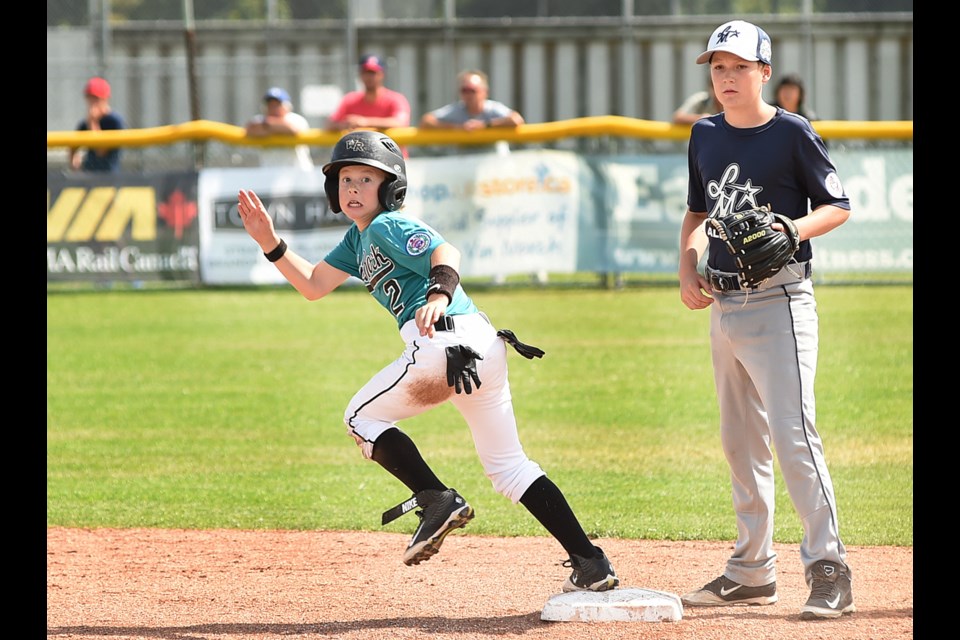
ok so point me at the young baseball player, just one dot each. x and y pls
(453, 353)
(764, 340)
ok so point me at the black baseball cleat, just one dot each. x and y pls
(590, 574)
(831, 592)
(723, 591)
(443, 511)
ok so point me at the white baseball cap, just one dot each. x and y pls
(740, 38)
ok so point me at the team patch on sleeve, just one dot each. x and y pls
(418, 243)
(834, 187)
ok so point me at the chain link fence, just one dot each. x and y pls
(78, 13)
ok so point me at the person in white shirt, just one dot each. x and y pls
(279, 119)
(697, 105)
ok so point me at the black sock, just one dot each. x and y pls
(396, 452)
(548, 505)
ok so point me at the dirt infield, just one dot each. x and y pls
(256, 585)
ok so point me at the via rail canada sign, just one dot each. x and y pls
(118, 227)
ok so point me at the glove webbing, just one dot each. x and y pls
(527, 351)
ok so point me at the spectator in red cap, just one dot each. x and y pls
(374, 106)
(100, 117)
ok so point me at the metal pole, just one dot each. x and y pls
(191, 45)
(808, 62)
(99, 10)
(350, 49)
(105, 38)
(449, 37)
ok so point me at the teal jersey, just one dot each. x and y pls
(392, 258)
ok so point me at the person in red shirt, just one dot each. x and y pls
(375, 106)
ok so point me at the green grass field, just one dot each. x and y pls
(223, 409)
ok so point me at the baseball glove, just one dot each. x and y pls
(759, 251)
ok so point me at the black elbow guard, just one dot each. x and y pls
(443, 279)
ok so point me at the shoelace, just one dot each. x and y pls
(822, 589)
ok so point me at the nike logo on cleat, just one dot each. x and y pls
(833, 604)
(415, 534)
(725, 592)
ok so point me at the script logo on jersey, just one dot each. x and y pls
(374, 267)
(418, 243)
(729, 195)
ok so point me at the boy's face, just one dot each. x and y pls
(359, 189)
(737, 82)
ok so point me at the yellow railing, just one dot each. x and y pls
(596, 126)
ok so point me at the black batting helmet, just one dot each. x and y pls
(375, 150)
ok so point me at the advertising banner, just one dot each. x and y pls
(296, 201)
(122, 227)
(523, 212)
(878, 236)
(507, 213)
(640, 202)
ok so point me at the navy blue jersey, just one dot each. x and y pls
(783, 164)
(93, 161)
(392, 257)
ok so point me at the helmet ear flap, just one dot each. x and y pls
(392, 192)
(399, 192)
(333, 191)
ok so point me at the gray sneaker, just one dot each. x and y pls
(590, 574)
(723, 591)
(443, 511)
(831, 592)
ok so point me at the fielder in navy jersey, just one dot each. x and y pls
(764, 341)
(453, 353)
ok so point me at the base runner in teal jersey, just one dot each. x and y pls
(453, 353)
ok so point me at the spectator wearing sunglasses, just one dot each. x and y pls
(474, 110)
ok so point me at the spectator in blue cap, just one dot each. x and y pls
(278, 118)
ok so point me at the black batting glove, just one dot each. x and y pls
(462, 368)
